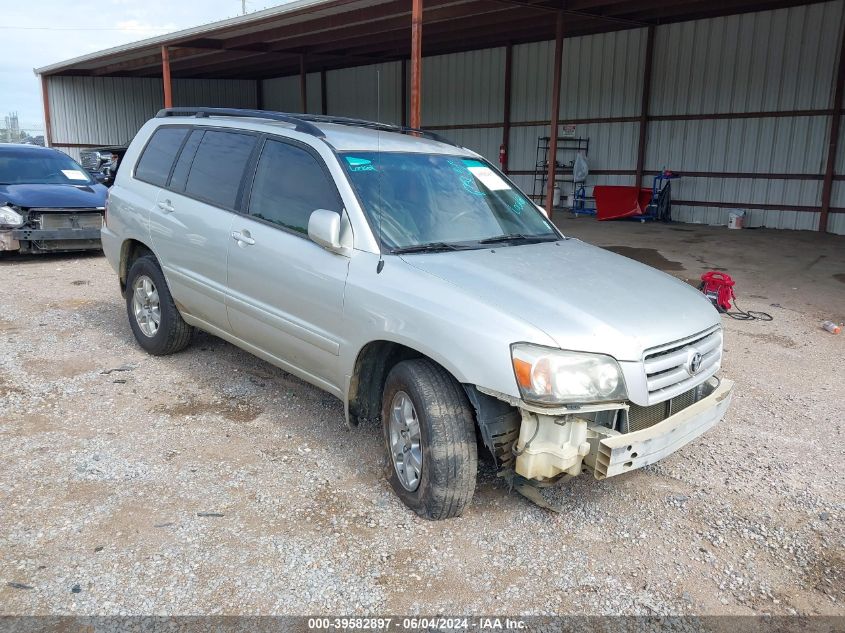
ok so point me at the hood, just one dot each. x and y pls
(63, 196)
(584, 297)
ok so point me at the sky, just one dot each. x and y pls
(42, 32)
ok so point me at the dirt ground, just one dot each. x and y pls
(210, 482)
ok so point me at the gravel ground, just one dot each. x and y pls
(213, 483)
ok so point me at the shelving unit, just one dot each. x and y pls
(567, 150)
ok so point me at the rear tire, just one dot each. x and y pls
(155, 321)
(429, 434)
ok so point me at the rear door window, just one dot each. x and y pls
(217, 169)
(186, 158)
(289, 185)
(159, 154)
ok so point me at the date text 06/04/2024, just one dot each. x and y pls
(416, 623)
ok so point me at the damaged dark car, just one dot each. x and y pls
(48, 202)
(102, 162)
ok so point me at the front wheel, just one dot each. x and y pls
(429, 433)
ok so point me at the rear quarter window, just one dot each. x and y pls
(161, 150)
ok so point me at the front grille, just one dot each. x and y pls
(65, 245)
(643, 417)
(89, 160)
(54, 221)
(60, 218)
(667, 368)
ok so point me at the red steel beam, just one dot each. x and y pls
(474, 12)
(416, 61)
(646, 97)
(445, 31)
(324, 97)
(552, 156)
(506, 106)
(165, 77)
(403, 94)
(303, 86)
(584, 14)
(48, 125)
(832, 146)
(368, 17)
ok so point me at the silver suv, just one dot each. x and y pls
(411, 279)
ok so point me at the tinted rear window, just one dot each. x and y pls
(183, 165)
(218, 167)
(157, 159)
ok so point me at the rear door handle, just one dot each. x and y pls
(165, 206)
(242, 238)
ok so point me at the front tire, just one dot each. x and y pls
(429, 433)
(156, 323)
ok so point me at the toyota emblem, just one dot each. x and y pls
(694, 363)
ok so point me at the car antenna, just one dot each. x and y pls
(380, 265)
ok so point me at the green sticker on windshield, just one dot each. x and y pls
(472, 163)
(359, 164)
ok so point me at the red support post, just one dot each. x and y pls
(404, 92)
(555, 115)
(48, 124)
(833, 144)
(646, 98)
(416, 61)
(165, 77)
(506, 108)
(324, 97)
(303, 85)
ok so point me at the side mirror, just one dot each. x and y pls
(324, 229)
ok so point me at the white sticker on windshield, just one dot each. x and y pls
(488, 177)
(74, 174)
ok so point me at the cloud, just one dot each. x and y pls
(139, 29)
(49, 31)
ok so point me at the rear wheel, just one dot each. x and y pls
(156, 323)
(429, 433)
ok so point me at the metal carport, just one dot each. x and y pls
(743, 96)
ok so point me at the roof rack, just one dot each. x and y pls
(299, 124)
(302, 122)
(374, 125)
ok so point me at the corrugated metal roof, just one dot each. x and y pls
(346, 33)
(231, 26)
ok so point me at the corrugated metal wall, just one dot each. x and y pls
(366, 92)
(780, 61)
(110, 110)
(772, 61)
(282, 94)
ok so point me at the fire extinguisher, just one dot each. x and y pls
(503, 156)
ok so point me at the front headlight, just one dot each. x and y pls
(553, 376)
(9, 218)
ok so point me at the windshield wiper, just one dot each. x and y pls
(432, 247)
(518, 237)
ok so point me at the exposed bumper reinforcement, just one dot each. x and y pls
(624, 453)
(35, 235)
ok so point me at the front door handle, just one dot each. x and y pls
(165, 206)
(242, 238)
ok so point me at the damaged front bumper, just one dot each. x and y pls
(55, 230)
(551, 445)
(621, 453)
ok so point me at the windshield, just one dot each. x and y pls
(438, 201)
(34, 167)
